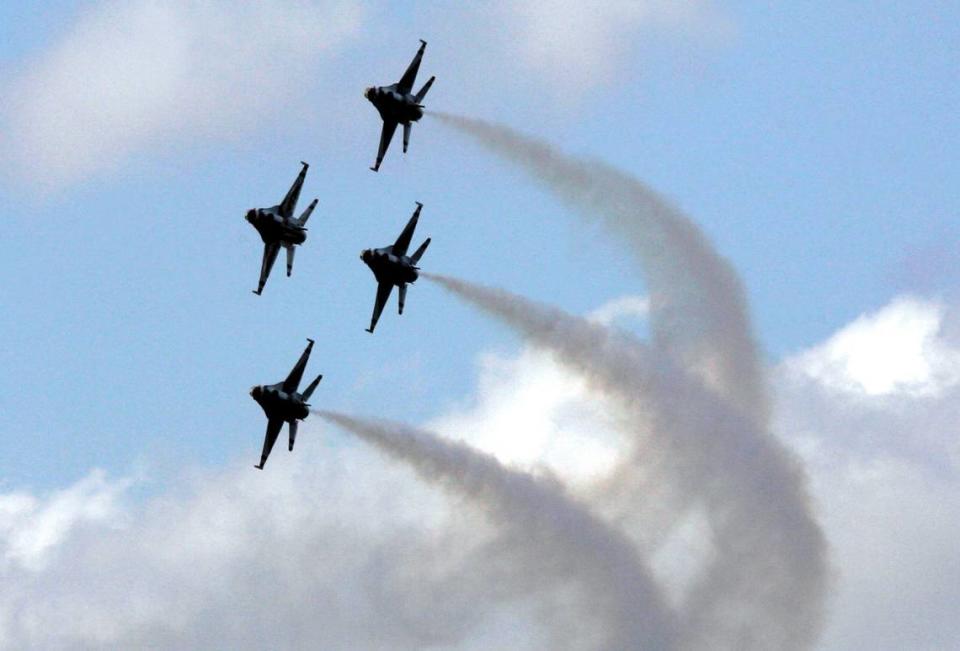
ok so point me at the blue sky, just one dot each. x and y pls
(815, 144)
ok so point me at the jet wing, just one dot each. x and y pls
(273, 430)
(383, 293)
(289, 203)
(405, 85)
(270, 252)
(293, 380)
(386, 135)
(403, 242)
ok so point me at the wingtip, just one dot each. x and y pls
(370, 330)
(258, 467)
(423, 43)
(375, 169)
(257, 291)
(418, 204)
(310, 341)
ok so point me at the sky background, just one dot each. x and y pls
(814, 143)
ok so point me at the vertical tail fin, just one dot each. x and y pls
(306, 213)
(313, 385)
(423, 91)
(419, 252)
(293, 434)
(402, 296)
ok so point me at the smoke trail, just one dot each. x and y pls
(765, 585)
(552, 524)
(698, 309)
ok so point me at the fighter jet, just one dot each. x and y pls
(398, 105)
(282, 404)
(278, 227)
(392, 266)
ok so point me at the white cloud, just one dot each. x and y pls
(895, 350)
(624, 307)
(130, 75)
(874, 413)
(31, 527)
(529, 412)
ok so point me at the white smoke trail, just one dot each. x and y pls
(698, 309)
(552, 525)
(764, 586)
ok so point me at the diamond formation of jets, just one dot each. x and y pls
(397, 104)
(279, 228)
(282, 404)
(392, 266)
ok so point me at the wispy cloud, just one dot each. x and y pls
(130, 75)
(577, 46)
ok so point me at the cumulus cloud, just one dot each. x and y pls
(874, 412)
(895, 350)
(126, 75)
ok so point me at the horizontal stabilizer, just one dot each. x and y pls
(306, 213)
(290, 253)
(423, 91)
(419, 252)
(293, 435)
(313, 385)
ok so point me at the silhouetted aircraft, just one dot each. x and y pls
(282, 404)
(398, 105)
(392, 266)
(278, 227)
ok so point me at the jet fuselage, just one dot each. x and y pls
(274, 228)
(394, 105)
(277, 403)
(387, 267)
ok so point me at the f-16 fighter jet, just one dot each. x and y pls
(278, 227)
(282, 404)
(392, 266)
(398, 105)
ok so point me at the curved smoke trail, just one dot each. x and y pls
(698, 310)
(622, 594)
(764, 586)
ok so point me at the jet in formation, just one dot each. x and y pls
(282, 404)
(392, 266)
(398, 104)
(278, 227)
